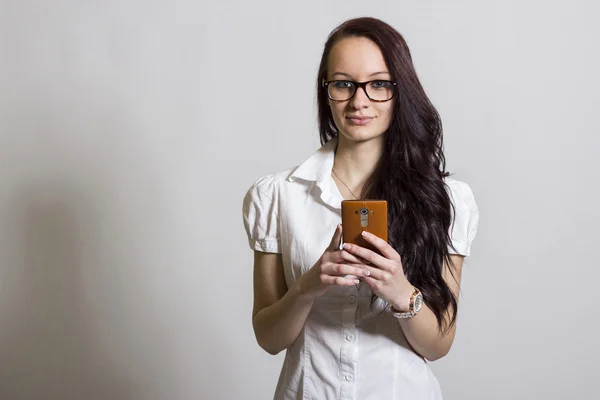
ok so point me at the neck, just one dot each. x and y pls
(355, 162)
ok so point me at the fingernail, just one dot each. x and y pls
(356, 281)
(366, 272)
(346, 246)
(365, 233)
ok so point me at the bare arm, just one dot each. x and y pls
(422, 330)
(279, 313)
(387, 280)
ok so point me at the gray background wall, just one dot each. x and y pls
(130, 131)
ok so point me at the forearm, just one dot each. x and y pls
(277, 326)
(424, 335)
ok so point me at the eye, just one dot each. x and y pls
(381, 85)
(343, 84)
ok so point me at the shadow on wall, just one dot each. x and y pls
(47, 341)
(70, 327)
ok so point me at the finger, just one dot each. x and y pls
(336, 239)
(351, 258)
(374, 284)
(339, 280)
(373, 272)
(384, 247)
(343, 270)
(368, 255)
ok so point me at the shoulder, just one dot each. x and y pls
(266, 191)
(261, 212)
(465, 215)
(460, 192)
(268, 186)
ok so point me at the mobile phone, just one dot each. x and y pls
(364, 215)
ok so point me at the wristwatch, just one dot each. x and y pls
(416, 302)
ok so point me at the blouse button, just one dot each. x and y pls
(352, 299)
(348, 377)
(349, 338)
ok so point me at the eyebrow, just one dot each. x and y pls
(349, 76)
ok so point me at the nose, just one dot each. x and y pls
(360, 99)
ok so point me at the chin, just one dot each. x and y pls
(358, 134)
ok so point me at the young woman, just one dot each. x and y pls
(382, 139)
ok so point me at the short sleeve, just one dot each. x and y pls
(261, 217)
(465, 217)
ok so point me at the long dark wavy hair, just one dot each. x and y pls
(410, 173)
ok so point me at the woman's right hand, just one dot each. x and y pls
(331, 269)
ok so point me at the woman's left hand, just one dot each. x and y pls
(386, 278)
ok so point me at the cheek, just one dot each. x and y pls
(386, 114)
(337, 110)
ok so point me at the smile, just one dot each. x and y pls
(360, 120)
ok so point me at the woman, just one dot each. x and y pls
(382, 139)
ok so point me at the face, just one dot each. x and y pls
(359, 59)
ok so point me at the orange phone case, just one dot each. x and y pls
(364, 215)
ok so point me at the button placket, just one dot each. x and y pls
(348, 347)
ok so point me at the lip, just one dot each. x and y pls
(359, 120)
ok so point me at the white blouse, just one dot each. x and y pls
(348, 348)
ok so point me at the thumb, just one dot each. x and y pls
(336, 239)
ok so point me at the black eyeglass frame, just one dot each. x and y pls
(358, 85)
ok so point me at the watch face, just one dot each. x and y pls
(418, 302)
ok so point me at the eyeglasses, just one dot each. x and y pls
(377, 90)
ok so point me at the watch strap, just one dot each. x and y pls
(411, 307)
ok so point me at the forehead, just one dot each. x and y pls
(356, 56)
